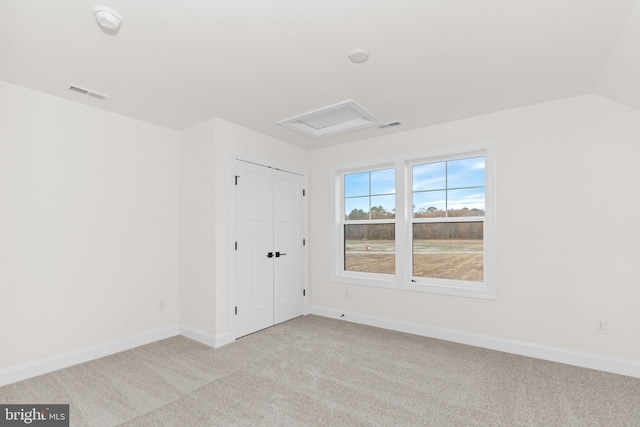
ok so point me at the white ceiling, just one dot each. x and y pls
(255, 62)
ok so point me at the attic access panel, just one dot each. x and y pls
(339, 118)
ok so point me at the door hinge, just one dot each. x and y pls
(304, 292)
(304, 192)
(236, 177)
(304, 242)
(236, 246)
(236, 310)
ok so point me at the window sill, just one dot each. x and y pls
(457, 288)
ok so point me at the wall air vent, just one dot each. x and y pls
(339, 118)
(88, 92)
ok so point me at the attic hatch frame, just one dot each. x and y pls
(345, 116)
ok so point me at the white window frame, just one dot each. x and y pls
(403, 279)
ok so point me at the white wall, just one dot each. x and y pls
(197, 234)
(88, 226)
(619, 80)
(206, 201)
(567, 229)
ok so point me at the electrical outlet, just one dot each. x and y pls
(601, 327)
(162, 306)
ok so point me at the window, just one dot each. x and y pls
(424, 223)
(448, 216)
(369, 222)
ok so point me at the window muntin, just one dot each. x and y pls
(370, 195)
(449, 188)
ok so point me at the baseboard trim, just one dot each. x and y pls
(224, 339)
(44, 366)
(215, 341)
(598, 362)
(586, 360)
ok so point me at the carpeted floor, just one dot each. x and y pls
(324, 372)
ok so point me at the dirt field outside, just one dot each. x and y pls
(445, 259)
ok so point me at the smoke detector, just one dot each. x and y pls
(358, 56)
(107, 18)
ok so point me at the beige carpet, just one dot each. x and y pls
(317, 371)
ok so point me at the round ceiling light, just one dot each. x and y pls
(107, 18)
(358, 56)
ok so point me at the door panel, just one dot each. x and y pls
(254, 234)
(288, 232)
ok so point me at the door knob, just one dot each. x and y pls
(278, 254)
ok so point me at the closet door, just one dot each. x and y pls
(269, 277)
(288, 275)
(254, 240)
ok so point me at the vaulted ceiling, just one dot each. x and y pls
(255, 62)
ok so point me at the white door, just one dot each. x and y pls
(254, 239)
(287, 243)
(269, 247)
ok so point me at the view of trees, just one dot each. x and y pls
(448, 230)
(370, 231)
(377, 212)
(432, 212)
